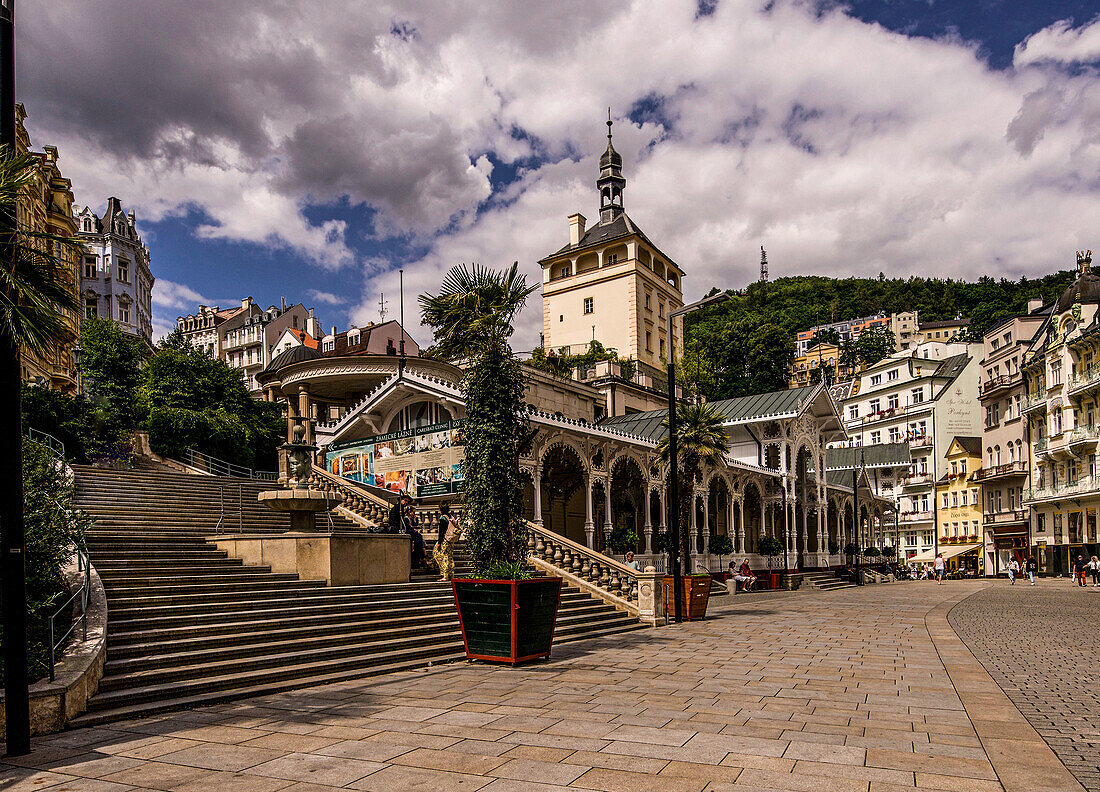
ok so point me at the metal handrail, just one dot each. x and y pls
(223, 513)
(222, 468)
(47, 441)
(84, 565)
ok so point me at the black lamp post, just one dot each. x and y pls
(12, 540)
(673, 470)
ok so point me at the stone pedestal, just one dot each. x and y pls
(651, 604)
(338, 558)
(302, 504)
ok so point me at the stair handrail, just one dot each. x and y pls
(610, 580)
(47, 441)
(212, 464)
(84, 566)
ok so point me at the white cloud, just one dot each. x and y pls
(327, 298)
(843, 147)
(168, 294)
(1061, 43)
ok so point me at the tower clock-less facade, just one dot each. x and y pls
(610, 283)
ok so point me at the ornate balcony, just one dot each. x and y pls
(1007, 470)
(1003, 518)
(995, 384)
(907, 518)
(1085, 485)
(1086, 380)
(1083, 438)
(917, 480)
(1034, 401)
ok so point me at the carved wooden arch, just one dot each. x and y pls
(561, 441)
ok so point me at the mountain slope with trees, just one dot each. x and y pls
(745, 345)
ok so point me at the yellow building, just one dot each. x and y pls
(806, 369)
(47, 206)
(959, 505)
(610, 283)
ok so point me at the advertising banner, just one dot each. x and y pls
(423, 462)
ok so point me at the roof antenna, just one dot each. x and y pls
(382, 306)
(763, 264)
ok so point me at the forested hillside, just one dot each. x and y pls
(745, 345)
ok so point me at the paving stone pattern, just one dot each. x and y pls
(790, 691)
(1042, 646)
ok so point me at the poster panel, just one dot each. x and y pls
(425, 461)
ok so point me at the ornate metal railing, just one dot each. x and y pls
(1006, 469)
(612, 581)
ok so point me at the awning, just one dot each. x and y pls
(949, 551)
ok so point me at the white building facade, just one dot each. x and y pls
(116, 281)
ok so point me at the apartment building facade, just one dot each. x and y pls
(923, 397)
(959, 506)
(1062, 402)
(1005, 469)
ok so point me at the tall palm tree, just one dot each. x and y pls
(700, 440)
(471, 318)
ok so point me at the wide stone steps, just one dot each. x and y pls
(189, 625)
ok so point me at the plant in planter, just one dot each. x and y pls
(834, 547)
(506, 613)
(623, 540)
(872, 552)
(851, 549)
(773, 548)
(721, 545)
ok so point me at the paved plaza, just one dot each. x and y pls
(1042, 646)
(865, 690)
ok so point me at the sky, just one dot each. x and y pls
(312, 149)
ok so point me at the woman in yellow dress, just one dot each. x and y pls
(443, 553)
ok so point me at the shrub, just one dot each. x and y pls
(623, 539)
(770, 546)
(851, 549)
(834, 548)
(872, 552)
(721, 545)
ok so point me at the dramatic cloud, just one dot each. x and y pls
(1061, 42)
(167, 294)
(325, 298)
(427, 134)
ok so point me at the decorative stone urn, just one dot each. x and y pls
(298, 499)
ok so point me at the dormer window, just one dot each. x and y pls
(328, 346)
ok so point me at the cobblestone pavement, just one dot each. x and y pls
(1042, 646)
(842, 691)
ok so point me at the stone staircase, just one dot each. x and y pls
(190, 626)
(824, 581)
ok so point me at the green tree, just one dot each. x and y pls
(190, 400)
(112, 369)
(874, 344)
(700, 440)
(471, 317)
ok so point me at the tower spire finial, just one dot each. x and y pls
(611, 181)
(609, 123)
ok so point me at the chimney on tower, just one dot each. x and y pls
(576, 228)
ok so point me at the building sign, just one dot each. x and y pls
(423, 462)
(956, 412)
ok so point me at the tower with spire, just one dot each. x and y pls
(610, 282)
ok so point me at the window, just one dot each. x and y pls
(90, 267)
(895, 434)
(891, 375)
(874, 406)
(612, 258)
(1055, 373)
(876, 437)
(945, 500)
(124, 314)
(954, 499)
(974, 496)
(962, 498)
(662, 347)
(647, 302)
(876, 380)
(588, 305)
(954, 468)
(853, 412)
(660, 309)
(91, 307)
(648, 341)
(892, 401)
(564, 272)
(918, 395)
(123, 271)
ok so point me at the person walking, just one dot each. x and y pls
(448, 532)
(940, 567)
(1032, 568)
(1094, 569)
(1079, 570)
(1013, 571)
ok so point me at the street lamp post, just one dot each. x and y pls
(12, 540)
(673, 465)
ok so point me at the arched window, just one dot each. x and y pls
(997, 453)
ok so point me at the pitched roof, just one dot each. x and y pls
(602, 232)
(943, 323)
(743, 409)
(951, 367)
(971, 445)
(872, 456)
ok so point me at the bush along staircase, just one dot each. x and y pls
(190, 626)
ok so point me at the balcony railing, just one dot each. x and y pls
(1062, 489)
(1033, 401)
(1083, 434)
(1041, 444)
(1006, 517)
(915, 517)
(996, 383)
(1086, 379)
(1018, 468)
(916, 480)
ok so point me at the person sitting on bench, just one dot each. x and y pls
(744, 576)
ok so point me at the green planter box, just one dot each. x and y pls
(507, 621)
